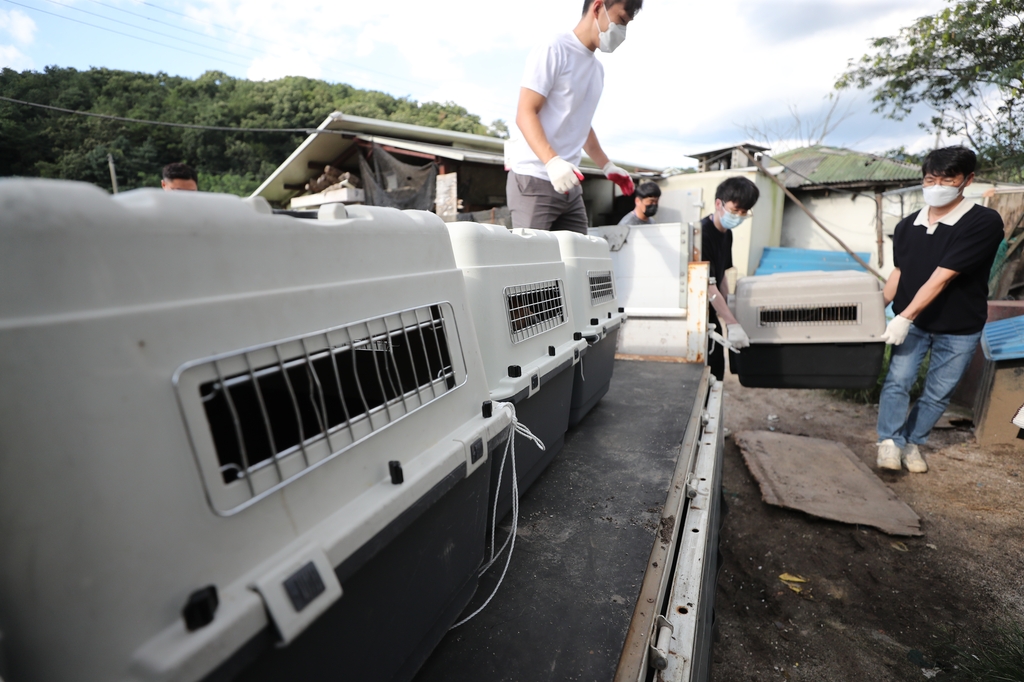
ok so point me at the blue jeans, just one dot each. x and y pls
(951, 353)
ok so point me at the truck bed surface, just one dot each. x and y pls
(586, 529)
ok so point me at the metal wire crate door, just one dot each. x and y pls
(276, 412)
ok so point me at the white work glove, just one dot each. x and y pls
(737, 337)
(564, 176)
(620, 177)
(896, 331)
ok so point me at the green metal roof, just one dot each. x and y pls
(821, 166)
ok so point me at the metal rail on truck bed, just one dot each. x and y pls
(622, 528)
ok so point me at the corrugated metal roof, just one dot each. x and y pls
(784, 259)
(1004, 339)
(821, 166)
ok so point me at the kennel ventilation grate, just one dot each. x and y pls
(804, 315)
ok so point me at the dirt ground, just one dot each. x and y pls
(876, 607)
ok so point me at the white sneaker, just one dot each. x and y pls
(914, 461)
(889, 455)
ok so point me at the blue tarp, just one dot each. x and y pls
(1004, 339)
(784, 259)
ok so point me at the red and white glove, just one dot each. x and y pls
(620, 177)
(563, 175)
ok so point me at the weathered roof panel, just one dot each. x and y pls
(821, 166)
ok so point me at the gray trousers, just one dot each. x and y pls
(535, 204)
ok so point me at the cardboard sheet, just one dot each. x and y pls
(823, 478)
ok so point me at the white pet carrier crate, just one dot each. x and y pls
(810, 330)
(515, 281)
(233, 445)
(590, 284)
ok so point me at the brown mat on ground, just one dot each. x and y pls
(823, 478)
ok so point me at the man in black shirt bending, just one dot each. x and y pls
(734, 198)
(939, 292)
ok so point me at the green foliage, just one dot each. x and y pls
(35, 142)
(871, 396)
(967, 64)
(997, 658)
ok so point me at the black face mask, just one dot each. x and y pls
(649, 211)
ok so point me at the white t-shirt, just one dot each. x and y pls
(571, 78)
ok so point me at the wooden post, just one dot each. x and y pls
(814, 218)
(113, 172)
(879, 230)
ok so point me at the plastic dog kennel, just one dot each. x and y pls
(810, 330)
(590, 283)
(236, 446)
(515, 281)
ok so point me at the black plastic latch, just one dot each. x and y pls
(576, 354)
(609, 315)
(487, 409)
(535, 381)
(515, 371)
(551, 351)
(594, 322)
(395, 467)
(622, 310)
(303, 586)
(200, 607)
(577, 336)
(476, 450)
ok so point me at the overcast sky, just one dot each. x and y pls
(690, 76)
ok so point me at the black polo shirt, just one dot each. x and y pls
(716, 249)
(967, 247)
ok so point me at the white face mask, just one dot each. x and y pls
(940, 195)
(613, 37)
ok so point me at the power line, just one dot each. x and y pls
(192, 126)
(140, 28)
(164, 23)
(122, 33)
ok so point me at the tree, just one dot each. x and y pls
(966, 64)
(36, 142)
(805, 131)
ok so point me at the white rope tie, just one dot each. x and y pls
(510, 541)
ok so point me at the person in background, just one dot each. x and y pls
(646, 201)
(179, 177)
(734, 198)
(939, 291)
(558, 96)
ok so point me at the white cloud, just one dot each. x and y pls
(18, 25)
(13, 58)
(688, 77)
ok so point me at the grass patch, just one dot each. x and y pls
(997, 658)
(870, 396)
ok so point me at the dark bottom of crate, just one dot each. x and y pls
(546, 414)
(396, 605)
(592, 377)
(809, 365)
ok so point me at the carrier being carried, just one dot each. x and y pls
(810, 330)
(246, 443)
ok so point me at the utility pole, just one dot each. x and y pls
(113, 172)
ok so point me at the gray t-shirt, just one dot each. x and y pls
(632, 218)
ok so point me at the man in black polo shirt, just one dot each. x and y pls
(733, 200)
(939, 292)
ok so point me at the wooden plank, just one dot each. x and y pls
(823, 478)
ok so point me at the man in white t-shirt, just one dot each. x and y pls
(560, 90)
